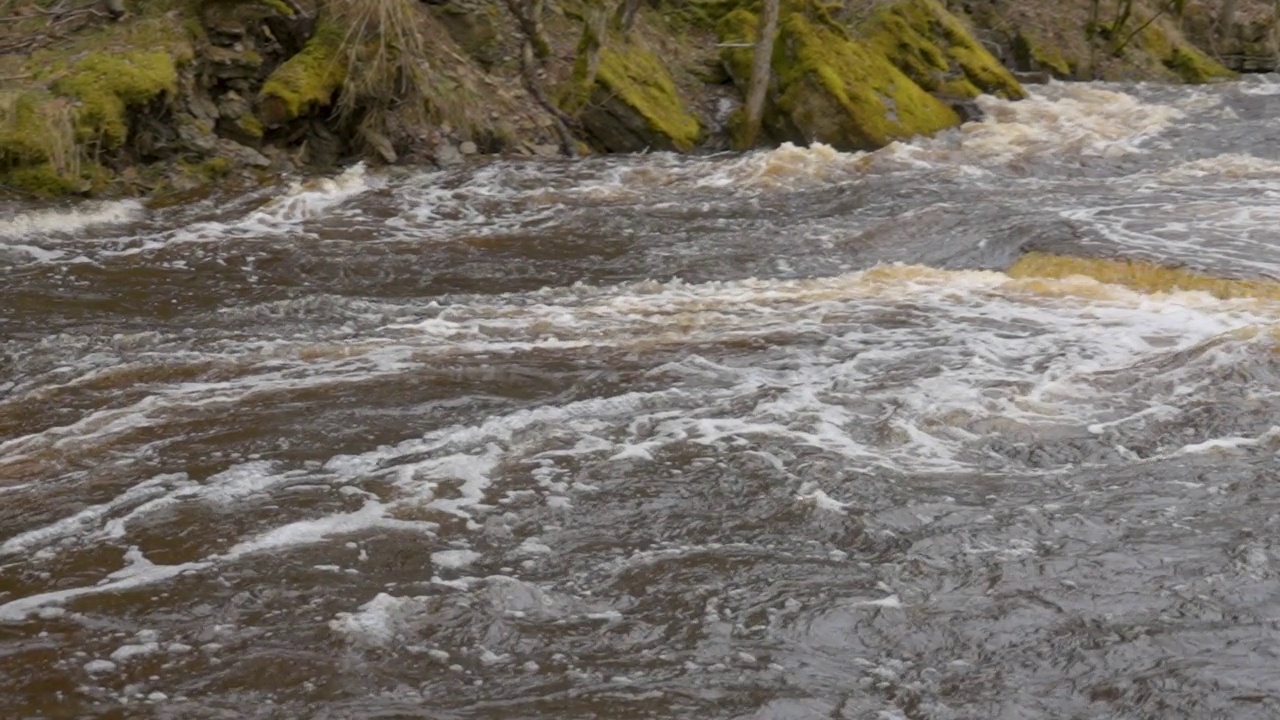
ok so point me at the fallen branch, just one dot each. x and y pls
(561, 120)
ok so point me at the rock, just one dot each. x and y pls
(226, 63)
(227, 22)
(196, 137)
(232, 105)
(1032, 55)
(474, 26)
(933, 48)
(305, 82)
(201, 106)
(379, 143)
(1033, 77)
(109, 85)
(468, 148)
(830, 88)
(241, 155)
(546, 150)
(446, 155)
(634, 104)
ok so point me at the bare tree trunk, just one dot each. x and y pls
(1094, 15)
(529, 15)
(761, 62)
(626, 17)
(593, 41)
(1227, 15)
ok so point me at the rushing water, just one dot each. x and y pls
(790, 435)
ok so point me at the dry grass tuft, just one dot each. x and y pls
(44, 131)
(395, 80)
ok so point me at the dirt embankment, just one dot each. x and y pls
(166, 97)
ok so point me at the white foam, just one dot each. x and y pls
(17, 610)
(820, 499)
(1235, 166)
(89, 519)
(127, 653)
(454, 559)
(307, 532)
(1230, 443)
(971, 380)
(1071, 119)
(68, 221)
(379, 621)
(307, 199)
(99, 667)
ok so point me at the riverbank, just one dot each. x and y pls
(163, 98)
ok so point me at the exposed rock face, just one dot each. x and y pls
(935, 49)
(171, 95)
(829, 87)
(633, 105)
(305, 82)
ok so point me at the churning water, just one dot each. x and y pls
(978, 426)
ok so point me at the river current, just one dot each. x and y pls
(982, 426)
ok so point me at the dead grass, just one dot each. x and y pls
(398, 71)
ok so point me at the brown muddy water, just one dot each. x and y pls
(926, 433)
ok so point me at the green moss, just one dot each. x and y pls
(737, 32)
(42, 180)
(1187, 63)
(279, 6)
(306, 81)
(38, 149)
(1194, 66)
(633, 102)
(250, 126)
(25, 133)
(640, 80)
(933, 48)
(1032, 54)
(107, 85)
(214, 168)
(828, 87)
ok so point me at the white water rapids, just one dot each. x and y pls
(776, 435)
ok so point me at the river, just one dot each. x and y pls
(976, 426)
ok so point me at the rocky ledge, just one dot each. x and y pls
(167, 97)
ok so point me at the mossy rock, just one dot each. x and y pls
(1193, 66)
(475, 27)
(305, 82)
(43, 180)
(26, 128)
(1184, 61)
(36, 137)
(1034, 55)
(830, 88)
(108, 85)
(933, 48)
(634, 104)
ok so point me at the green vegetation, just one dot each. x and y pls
(935, 50)
(632, 102)
(163, 95)
(107, 85)
(831, 88)
(306, 81)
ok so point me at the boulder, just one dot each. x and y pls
(935, 49)
(634, 104)
(828, 87)
(305, 82)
